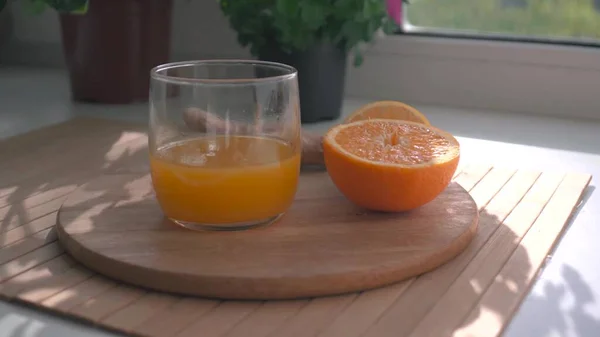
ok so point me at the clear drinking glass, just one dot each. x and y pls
(224, 142)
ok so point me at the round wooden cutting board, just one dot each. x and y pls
(324, 245)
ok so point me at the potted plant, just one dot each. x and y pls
(315, 37)
(111, 45)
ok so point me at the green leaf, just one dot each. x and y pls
(313, 16)
(68, 6)
(286, 7)
(83, 9)
(390, 27)
(358, 58)
(34, 6)
(295, 25)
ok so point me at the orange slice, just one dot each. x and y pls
(388, 110)
(390, 165)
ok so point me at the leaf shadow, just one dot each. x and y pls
(32, 262)
(512, 285)
(45, 274)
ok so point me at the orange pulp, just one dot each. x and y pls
(390, 165)
(225, 179)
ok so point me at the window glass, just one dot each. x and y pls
(575, 20)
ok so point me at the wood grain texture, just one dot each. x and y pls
(466, 289)
(522, 215)
(323, 246)
(67, 299)
(401, 317)
(331, 315)
(177, 317)
(55, 158)
(489, 316)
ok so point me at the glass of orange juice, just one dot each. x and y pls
(224, 142)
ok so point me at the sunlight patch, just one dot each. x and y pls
(486, 322)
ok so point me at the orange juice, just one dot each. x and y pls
(225, 180)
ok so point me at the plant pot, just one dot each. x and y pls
(321, 78)
(110, 50)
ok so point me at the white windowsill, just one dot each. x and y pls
(519, 53)
(507, 76)
(555, 80)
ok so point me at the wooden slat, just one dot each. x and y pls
(45, 278)
(43, 224)
(29, 143)
(267, 308)
(174, 319)
(28, 210)
(88, 289)
(460, 298)
(80, 130)
(220, 320)
(34, 268)
(490, 185)
(139, 311)
(21, 237)
(13, 218)
(298, 324)
(313, 317)
(249, 319)
(365, 310)
(90, 147)
(469, 179)
(36, 196)
(67, 176)
(56, 284)
(277, 312)
(471, 175)
(422, 294)
(489, 316)
(37, 275)
(18, 156)
(30, 260)
(28, 245)
(265, 320)
(32, 139)
(99, 307)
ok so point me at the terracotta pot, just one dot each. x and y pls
(110, 50)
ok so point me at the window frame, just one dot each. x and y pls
(489, 71)
(406, 28)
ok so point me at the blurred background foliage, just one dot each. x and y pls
(544, 18)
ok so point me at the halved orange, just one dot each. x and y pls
(390, 165)
(387, 110)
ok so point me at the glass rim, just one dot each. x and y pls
(155, 73)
